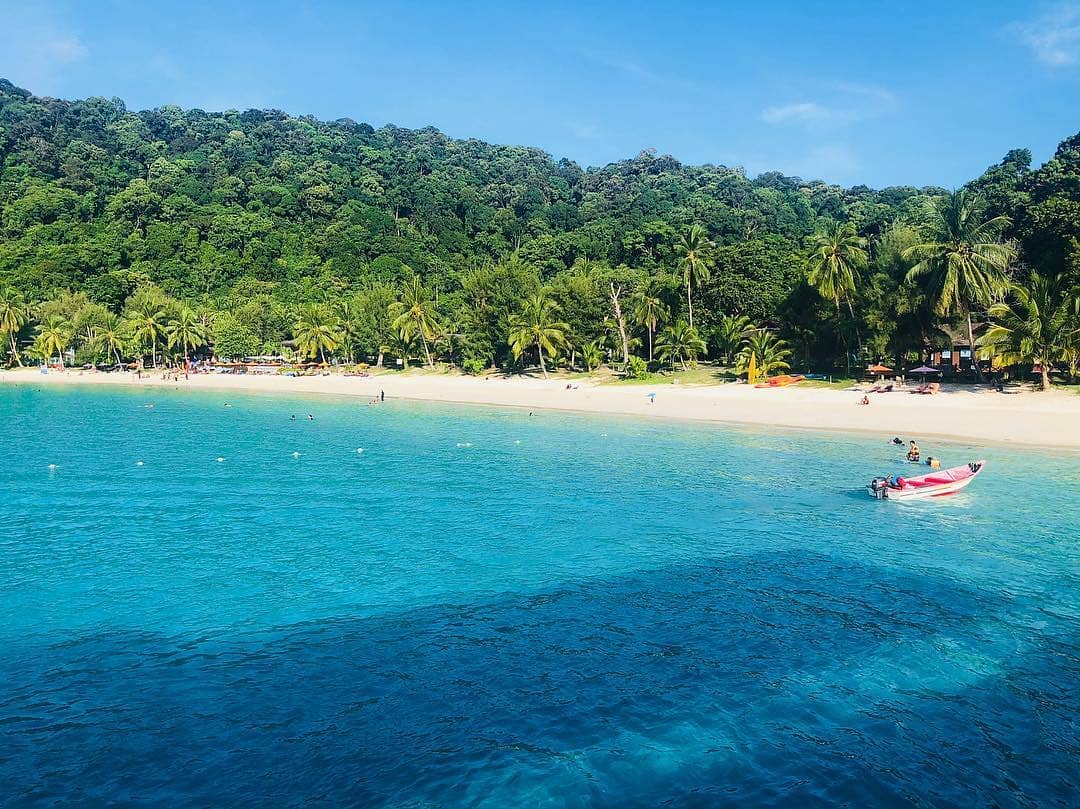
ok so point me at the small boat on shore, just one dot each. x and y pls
(939, 483)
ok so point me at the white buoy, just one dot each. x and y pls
(138, 463)
(296, 454)
(52, 466)
(219, 460)
(359, 450)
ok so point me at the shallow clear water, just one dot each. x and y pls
(485, 608)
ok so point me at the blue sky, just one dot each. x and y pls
(880, 93)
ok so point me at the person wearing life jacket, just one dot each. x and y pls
(913, 452)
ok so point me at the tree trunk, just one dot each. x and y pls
(843, 341)
(427, 353)
(689, 303)
(1046, 376)
(615, 295)
(971, 345)
(650, 343)
(15, 349)
(540, 354)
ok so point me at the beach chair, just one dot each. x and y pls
(925, 388)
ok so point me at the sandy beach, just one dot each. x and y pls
(973, 414)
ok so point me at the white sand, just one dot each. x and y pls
(982, 415)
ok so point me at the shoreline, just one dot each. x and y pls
(1039, 420)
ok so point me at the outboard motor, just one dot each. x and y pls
(877, 488)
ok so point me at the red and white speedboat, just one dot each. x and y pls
(939, 483)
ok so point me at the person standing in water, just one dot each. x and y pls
(382, 396)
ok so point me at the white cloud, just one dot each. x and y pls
(806, 112)
(585, 131)
(837, 104)
(1054, 37)
(64, 49)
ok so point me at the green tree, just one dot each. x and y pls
(415, 314)
(592, 355)
(536, 326)
(772, 353)
(679, 342)
(695, 259)
(111, 337)
(186, 330)
(730, 334)
(147, 322)
(316, 331)
(964, 261)
(1038, 323)
(53, 338)
(14, 315)
(837, 254)
(650, 311)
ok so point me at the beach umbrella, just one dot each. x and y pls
(924, 370)
(879, 369)
(751, 371)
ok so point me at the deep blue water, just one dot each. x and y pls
(485, 608)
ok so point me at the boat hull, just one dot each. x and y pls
(934, 484)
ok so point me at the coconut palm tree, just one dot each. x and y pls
(770, 351)
(1038, 324)
(730, 334)
(147, 323)
(316, 331)
(592, 355)
(679, 341)
(837, 254)
(536, 327)
(14, 315)
(110, 336)
(963, 263)
(695, 260)
(650, 311)
(402, 343)
(53, 337)
(186, 330)
(415, 312)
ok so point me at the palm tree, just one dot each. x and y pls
(1038, 324)
(838, 253)
(730, 334)
(316, 331)
(147, 325)
(14, 315)
(964, 261)
(402, 343)
(53, 337)
(415, 312)
(771, 352)
(186, 330)
(695, 258)
(650, 311)
(592, 355)
(110, 336)
(679, 341)
(536, 326)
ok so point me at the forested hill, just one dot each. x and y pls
(255, 214)
(195, 200)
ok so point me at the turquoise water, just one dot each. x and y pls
(484, 608)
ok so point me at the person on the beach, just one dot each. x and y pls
(865, 400)
(382, 396)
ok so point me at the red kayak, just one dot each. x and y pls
(936, 484)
